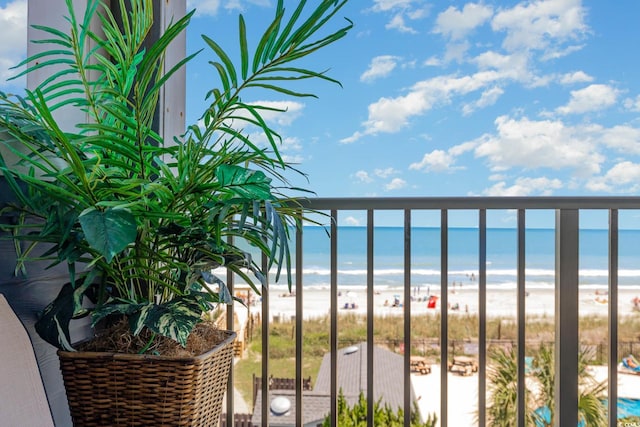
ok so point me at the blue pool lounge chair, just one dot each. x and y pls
(630, 363)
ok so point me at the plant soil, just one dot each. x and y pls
(118, 338)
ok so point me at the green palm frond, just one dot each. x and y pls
(151, 219)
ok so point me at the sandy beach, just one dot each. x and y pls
(500, 303)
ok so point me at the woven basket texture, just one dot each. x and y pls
(118, 390)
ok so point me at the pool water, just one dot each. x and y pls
(626, 408)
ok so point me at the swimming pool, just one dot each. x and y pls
(626, 408)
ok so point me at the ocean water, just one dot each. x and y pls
(462, 258)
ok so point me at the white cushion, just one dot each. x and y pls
(23, 401)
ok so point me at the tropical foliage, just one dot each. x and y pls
(141, 222)
(356, 415)
(502, 378)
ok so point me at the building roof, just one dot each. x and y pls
(388, 386)
(388, 370)
(316, 408)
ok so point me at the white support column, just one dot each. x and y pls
(566, 318)
(51, 13)
(171, 114)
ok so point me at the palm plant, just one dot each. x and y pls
(591, 410)
(142, 222)
(502, 375)
(502, 396)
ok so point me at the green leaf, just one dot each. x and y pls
(270, 33)
(174, 319)
(244, 53)
(231, 70)
(53, 324)
(114, 306)
(108, 231)
(244, 183)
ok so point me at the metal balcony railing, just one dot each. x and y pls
(567, 212)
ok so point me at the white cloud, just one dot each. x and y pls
(380, 66)
(291, 144)
(622, 138)
(401, 10)
(514, 66)
(390, 115)
(456, 24)
(204, 7)
(433, 61)
(351, 220)
(212, 7)
(594, 97)
(524, 187)
(458, 150)
(363, 176)
(497, 177)
(13, 30)
(398, 23)
(531, 145)
(289, 111)
(632, 104)
(561, 52)
(456, 51)
(293, 159)
(624, 173)
(575, 77)
(435, 161)
(622, 177)
(385, 173)
(541, 24)
(387, 5)
(353, 138)
(418, 13)
(442, 161)
(488, 97)
(395, 184)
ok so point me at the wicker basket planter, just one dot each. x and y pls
(113, 389)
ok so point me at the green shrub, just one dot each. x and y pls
(356, 416)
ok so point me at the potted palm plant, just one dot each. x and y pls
(144, 224)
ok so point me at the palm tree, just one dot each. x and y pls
(539, 400)
(502, 375)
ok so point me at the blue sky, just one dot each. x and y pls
(496, 98)
(447, 98)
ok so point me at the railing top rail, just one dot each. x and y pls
(397, 203)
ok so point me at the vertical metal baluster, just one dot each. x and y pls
(370, 317)
(299, 325)
(613, 317)
(407, 318)
(566, 317)
(334, 318)
(230, 309)
(265, 346)
(444, 320)
(521, 317)
(482, 320)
